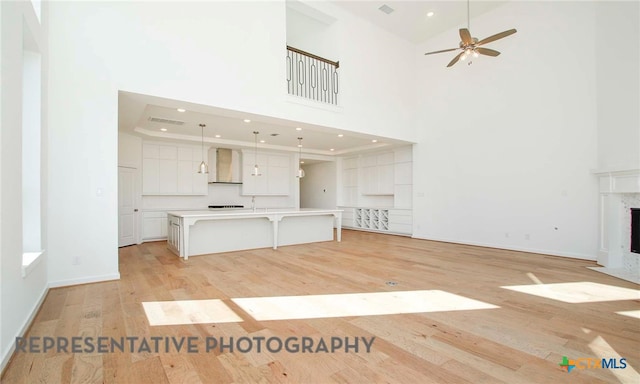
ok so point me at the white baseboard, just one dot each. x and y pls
(38, 304)
(519, 249)
(25, 325)
(84, 280)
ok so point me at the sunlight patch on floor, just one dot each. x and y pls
(635, 314)
(356, 304)
(578, 292)
(189, 312)
(603, 350)
(534, 278)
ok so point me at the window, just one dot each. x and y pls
(31, 151)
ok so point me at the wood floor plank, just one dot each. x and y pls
(522, 340)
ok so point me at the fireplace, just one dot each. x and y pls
(619, 234)
(635, 230)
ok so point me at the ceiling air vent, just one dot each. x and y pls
(165, 121)
(386, 9)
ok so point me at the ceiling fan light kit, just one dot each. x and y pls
(471, 46)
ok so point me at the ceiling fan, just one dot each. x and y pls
(472, 46)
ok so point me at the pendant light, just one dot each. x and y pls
(300, 173)
(203, 168)
(256, 171)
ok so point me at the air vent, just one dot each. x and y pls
(165, 121)
(386, 9)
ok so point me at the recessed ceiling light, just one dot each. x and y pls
(301, 162)
(247, 120)
(299, 145)
(298, 129)
(429, 14)
(374, 141)
(332, 149)
(163, 129)
(262, 141)
(181, 110)
(218, 136)
(340, 135)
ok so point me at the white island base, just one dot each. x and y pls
(193, 233)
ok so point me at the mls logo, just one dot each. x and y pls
(567, 365)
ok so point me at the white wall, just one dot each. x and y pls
(318, 186)
(377, 86)
(310, 34)
(19, 297)
(204, 52)
(618, 84)
(506, 145)
(226, 54)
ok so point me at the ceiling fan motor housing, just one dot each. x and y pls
(474, 41)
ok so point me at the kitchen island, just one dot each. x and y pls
(193, 233)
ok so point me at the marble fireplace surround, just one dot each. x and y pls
(619, 192)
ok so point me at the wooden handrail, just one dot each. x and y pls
(300, 51)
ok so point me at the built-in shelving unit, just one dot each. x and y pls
(377, 191)
(372, 218)
(386, 220)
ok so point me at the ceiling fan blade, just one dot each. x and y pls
(487, 51)
(496, 37)
(465, 36)
(444, 50)
(455, 59)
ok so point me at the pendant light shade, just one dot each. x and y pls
(203, 168)
(256, 170)
(300, 173)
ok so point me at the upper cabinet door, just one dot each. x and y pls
(378, 174)
(172, 170)
(275, 175)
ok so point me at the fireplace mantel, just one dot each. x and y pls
(619, 191)
(621, 180)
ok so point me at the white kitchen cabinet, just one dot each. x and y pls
(150, 176)
(347, 217)
(278, 180)
(378, 174)
(275, 175)
(185, 176)
(168, 177)
(401, 221)
(154, 225)
(350, 181)
(172, 170)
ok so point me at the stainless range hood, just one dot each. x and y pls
(226, 163)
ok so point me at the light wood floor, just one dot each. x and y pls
(522, 341)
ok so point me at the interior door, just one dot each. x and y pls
(127, 211)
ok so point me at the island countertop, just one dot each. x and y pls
(245, 228)
(248, 212)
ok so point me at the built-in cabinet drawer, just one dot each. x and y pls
(401, 221)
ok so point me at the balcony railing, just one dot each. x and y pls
(311, 76)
